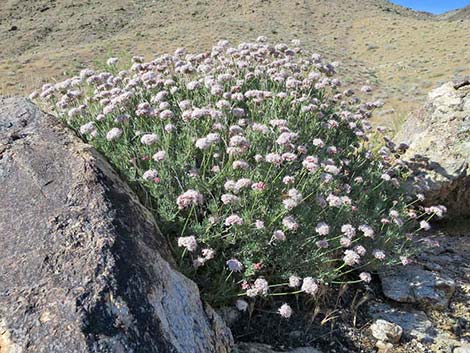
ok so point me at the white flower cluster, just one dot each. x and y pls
(254, 159)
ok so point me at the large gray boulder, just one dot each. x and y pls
(83, 266)
(439, 153)
(439, 140)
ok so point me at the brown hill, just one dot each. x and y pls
(457, 15)
(401, 52)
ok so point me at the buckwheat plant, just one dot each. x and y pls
(255, 163)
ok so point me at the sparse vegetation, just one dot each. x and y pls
(43, 47)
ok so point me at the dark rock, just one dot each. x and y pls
(413, 284)
(83, 266)
(461, 83)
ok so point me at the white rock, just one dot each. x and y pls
(386, 331)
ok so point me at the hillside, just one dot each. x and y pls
(400, 52)
(460, 14)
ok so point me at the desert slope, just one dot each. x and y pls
(457, 15)
(401, 52)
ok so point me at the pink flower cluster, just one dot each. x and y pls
(189, 198)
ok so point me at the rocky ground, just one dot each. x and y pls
(424, 307)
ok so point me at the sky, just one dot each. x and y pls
(433, 6)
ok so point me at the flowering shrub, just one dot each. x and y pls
(255, 164)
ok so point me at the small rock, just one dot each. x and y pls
(461, 83)
(384, 347)
(386, 331)
(415, 324)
